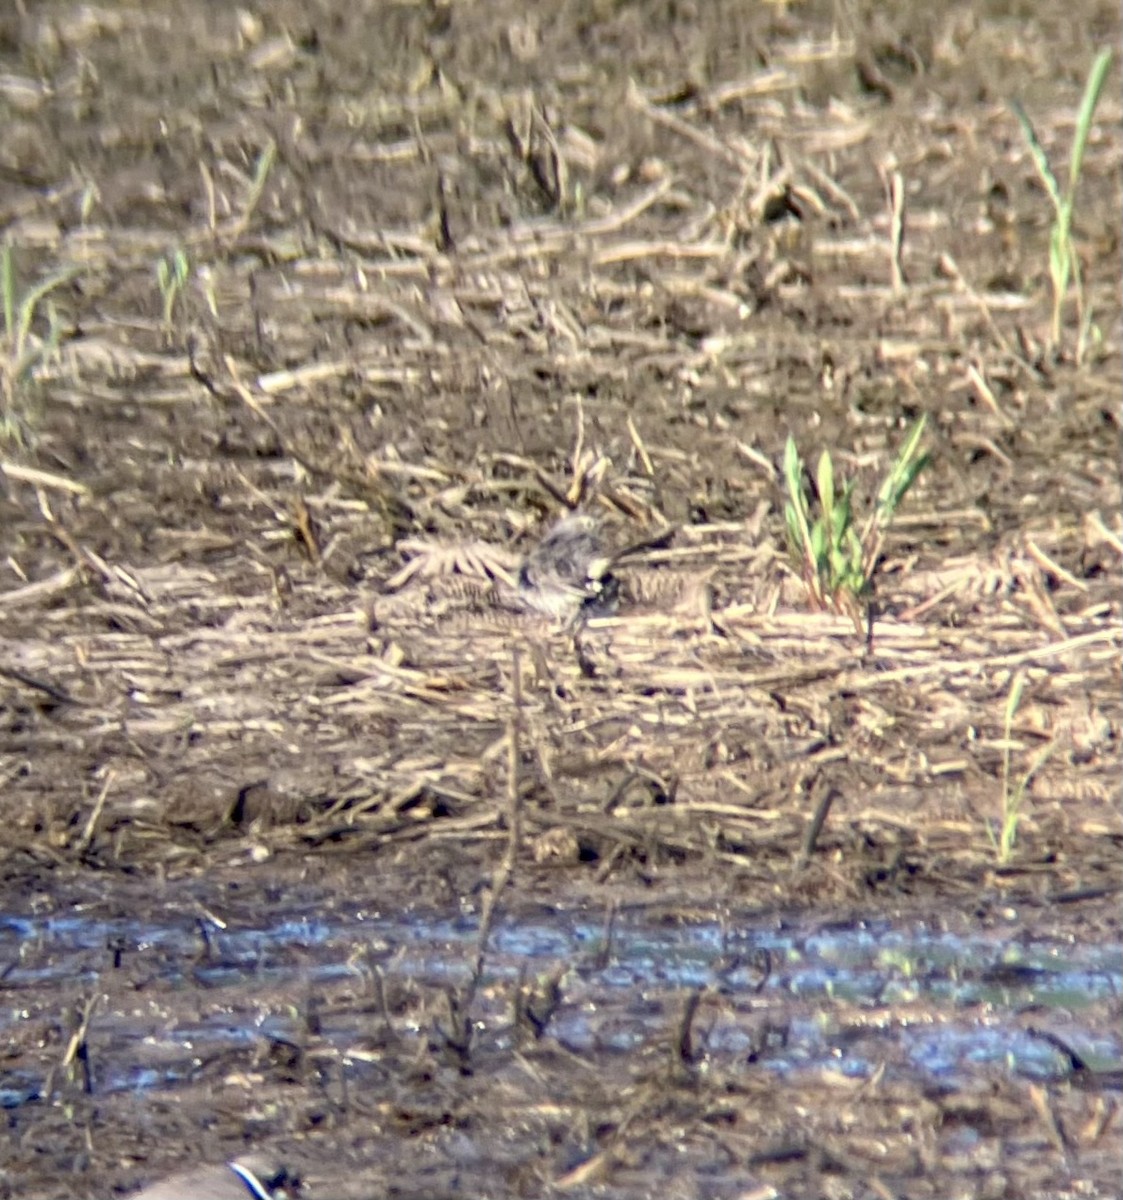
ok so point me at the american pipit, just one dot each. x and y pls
(568, 573)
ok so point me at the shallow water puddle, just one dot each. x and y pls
(180, 989)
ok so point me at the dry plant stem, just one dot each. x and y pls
(76, 1050)
(84, 842)
(514, 801)
(986, 394)
(550, 487)
(39, 685)
(1095, 529)
(262, 168)
(630, 251)
(641, 449)
(627, 213)
(833, 188)
(589, 1170)
(527, 242)
(1043, 560)
(767, 82)
(952, 268)
(209, 190)
(504, 872)
(895, 194)
(577, 458)
(1039, 1097)
(608, 936)
(818, 820)
(40, 478)
(378, 982)
(676, 124)
(684, 1036)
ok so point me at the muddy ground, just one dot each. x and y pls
(450, 267)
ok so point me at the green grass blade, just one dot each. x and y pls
(845, 511)
(8, 288)
(1060, 256)
(1037, 152)
(824, 479)
(890, 499)
(902, 475)
(1013, 700)
(836, 561)
(1092, 90)
(50, 344)
(793, 477)
(265, 161)
(30, 302)
(794, 531)
(906, 453)
(820, 554)
(793, 468)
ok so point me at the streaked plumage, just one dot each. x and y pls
(567, 574)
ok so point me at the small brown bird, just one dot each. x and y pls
(568, 573)
(252, 1177)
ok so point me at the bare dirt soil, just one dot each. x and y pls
(451, 267)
